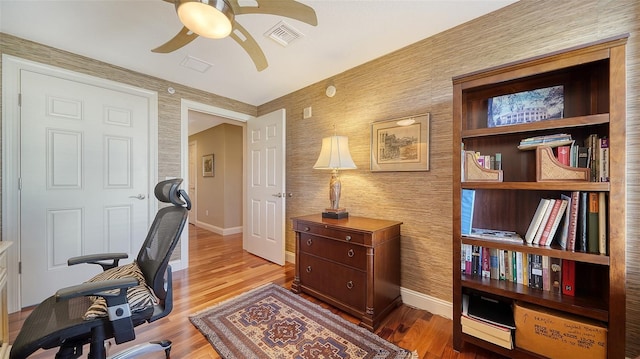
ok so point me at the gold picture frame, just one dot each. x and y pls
(208, 165)
(400, 144)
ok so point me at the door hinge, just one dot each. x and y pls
(19, 99)
(19, 267)
(20, 184)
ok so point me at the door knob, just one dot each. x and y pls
(140, 196)
(279, 195)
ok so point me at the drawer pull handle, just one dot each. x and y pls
(308, 269)
(347, 238)
(350, 284)
(307, 229)
(309, 242)
(350, 253)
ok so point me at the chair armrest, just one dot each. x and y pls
(97, 258)
(96, 288)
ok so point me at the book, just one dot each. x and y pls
(467, 260)
(466, 205)
(525, 269)
(602, 223)
(535, 271)
(497, 331)
(581, 234)
(496, 235)
(494, 270)
(592, 223)
(563, 155)
(583, 157)
(487, 337)
(486, 265)
(543, 223)
(555, 274)
(508, 266)
(502, 268)
(536, 220)
(498, 164)
(564, 232)
(475, 260)
(491, 311)
(556, 222)
(573, 221)
(603, 158)
(546, 273)
(519, 270)
(551, 220)
(568, 277)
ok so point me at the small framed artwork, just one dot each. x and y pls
(527, 106)
(208, 165)
(400, 144)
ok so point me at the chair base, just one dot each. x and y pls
(140, 349)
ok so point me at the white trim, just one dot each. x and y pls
(11, 67)
(219, 230)
(233, 117)
(430, 304)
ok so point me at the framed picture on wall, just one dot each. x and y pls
(208, 165)
(400, 144)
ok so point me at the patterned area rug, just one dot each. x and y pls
(273, 322)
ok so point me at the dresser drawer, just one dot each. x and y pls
(331, 232)
(345, 284)
(345, 253)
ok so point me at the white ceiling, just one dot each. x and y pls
(349, 33)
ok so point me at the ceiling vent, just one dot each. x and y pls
(283, 33)
(192, 63)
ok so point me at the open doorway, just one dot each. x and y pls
(199, 118)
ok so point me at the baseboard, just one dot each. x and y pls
(430, 304)
(290, 257)
(219, 230)
(412, 298)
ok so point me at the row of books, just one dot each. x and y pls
(488, 319)
(532, 270)
(593, 154)
(577, 222)
(491, 162)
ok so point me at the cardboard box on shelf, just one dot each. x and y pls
(558, 335)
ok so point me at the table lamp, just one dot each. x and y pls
(335, 156)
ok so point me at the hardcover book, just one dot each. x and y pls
(581, 234)
(536, 220)
(592, 223)
(568, 277)
(491, 311)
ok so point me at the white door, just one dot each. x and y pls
(193, 172)
(84, 179)
(265, 227)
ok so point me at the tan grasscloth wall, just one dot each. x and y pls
(410, 81)
(417, 79)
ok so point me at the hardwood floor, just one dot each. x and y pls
(219, 269)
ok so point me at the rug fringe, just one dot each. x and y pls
(413, 355)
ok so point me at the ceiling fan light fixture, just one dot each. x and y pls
(208, 18)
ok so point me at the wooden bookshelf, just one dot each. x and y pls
(594, 91)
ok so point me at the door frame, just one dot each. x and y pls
(11, 67)
(232, 116)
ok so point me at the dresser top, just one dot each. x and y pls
(351, 222)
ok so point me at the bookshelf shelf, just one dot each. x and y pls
(539, 186)
(593, 308)
(522, 129)
(552, 251)
(593, 84)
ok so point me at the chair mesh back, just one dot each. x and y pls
(163, 235)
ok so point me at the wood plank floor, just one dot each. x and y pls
(219, 269)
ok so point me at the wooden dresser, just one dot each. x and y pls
(352, 264)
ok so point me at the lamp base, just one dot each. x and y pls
(335, 214)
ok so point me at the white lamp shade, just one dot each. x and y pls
(335, 154)
(208, 18)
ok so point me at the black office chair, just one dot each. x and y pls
(115, 301)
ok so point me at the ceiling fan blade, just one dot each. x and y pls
(287, 8)
(184, 37)
(249, 45)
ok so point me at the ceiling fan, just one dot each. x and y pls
(216, 19)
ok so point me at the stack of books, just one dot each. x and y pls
(488, 319)
(556, 140)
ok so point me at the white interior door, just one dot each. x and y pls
(84, 179)
(265, 227)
